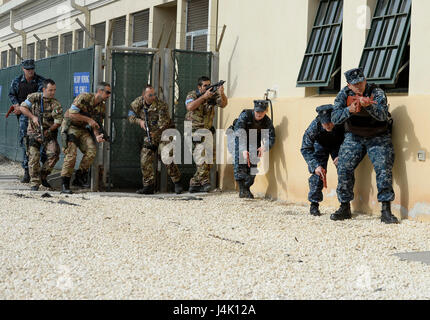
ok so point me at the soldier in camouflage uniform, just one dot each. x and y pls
(156, 113)
(52, 116)
(244, 168)
(201, 104)
(77, 125)
(368, 130)
(321, 140)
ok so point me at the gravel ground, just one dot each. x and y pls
(219, 247)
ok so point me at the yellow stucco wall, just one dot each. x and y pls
(264, 49)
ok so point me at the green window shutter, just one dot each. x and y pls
(386, 41)
(323, 46)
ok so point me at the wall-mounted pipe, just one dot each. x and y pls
(87, 14)
(20, 32)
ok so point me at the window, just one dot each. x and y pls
(197, 25)
(30, 51)
(53, 46)
(41, 49)
(118, 31)
(80, 39)
(385, 58)
(4, 59)
(321, 63)
(12, 57)
(67, 42)
(100, 33)
(141, 29)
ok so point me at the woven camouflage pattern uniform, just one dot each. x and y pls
(202, 118)
(78, 134)
(379, 147)
(52, 114)
(158, 121)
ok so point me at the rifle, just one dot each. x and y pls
(356, 99)
(100, 129)
(11, 109)
(148, 133)
(40, 119)
(213, 88)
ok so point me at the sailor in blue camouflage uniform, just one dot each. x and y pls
(249, 119)
(23, 85)
(321, 140)
(367, 130)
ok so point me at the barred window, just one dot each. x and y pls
(80, 39)
(197, 25)
(41, 49)
(322, 57)
(4, 59)
(118, 33)
(67, 42)
(386, 52)
(100, 33)
(12, 58)
(141, 28)
(30, 51)
(53, 46)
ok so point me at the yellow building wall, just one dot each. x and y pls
(264, 49)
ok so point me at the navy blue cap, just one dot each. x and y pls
(28, 64)
(260, 105)
(324, 113)
(355, 76)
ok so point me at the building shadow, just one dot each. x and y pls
(406, 147)
(363, 189)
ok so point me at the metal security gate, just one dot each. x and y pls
(131, 72)
(188, 67)
(61, 69)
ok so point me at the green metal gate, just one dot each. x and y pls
(188, 67)
(61, 69)
(131, 72)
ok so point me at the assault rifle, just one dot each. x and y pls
(356, 99)
(100, 129)
(40, 120)
(213, 88)
(148, 133)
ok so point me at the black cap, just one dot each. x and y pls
(260, 105)
(28, 64)
(324, 113)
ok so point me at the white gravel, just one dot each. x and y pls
(220, 247)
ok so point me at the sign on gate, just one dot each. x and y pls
(81, 83)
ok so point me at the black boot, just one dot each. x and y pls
(86, 182)
(206, 187)
(241, 189)
(315, 211)
(46, 184)
(146, 190)
(26, 178)
(65, 185)
(178, 187)
(34, 188)
(194, 189)
(77, 182)
(343, 213)
(386, 215)
(247, 185)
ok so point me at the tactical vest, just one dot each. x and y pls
(25, 89)
(330, 140)
(364, 125)
(251, 123)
